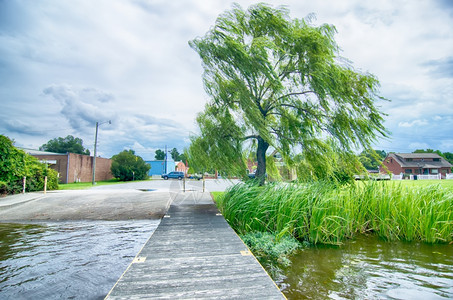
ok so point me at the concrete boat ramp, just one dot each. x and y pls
(194, 254)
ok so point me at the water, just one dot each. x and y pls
(67, 260)
(370, 268)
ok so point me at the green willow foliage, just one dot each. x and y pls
(281, 83)
(325, 213)
(15, 164)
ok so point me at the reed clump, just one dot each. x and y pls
(321, 212)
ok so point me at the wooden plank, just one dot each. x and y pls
(194, 253)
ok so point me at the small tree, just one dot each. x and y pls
(279, 83)
(174, 154)
(127, 166)
(182, 157)
(64, 145)
(160, 155)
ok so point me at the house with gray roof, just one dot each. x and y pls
(416, 164)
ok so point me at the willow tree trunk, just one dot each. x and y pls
(261, 158)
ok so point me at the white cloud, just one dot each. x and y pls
(416, 146)
(129, 61)
(82, 107)
(413, 123)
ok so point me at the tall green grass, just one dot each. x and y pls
(326, 213)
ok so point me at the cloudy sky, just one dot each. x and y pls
(66, 64)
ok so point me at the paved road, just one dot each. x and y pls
(136, 200)
(211, 185)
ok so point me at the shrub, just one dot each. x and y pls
(268, 246)
(3, 188)
(15, 164)
(127, 166)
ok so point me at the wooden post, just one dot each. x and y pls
(23, 189)
(184, 184)
(204, 183)
(45, 184)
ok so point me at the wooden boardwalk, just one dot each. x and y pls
(194, 253)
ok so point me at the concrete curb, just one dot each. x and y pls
(18, 199)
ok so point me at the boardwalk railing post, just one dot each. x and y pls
(23, 189)
(204, 183)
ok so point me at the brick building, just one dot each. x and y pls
(416, 163)
(73, 167)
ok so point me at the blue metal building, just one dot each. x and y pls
(159, 167)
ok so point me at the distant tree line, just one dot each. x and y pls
(372, 159)
(175, 155)
(69, 144)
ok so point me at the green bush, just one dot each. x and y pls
(15, 164)
(272, 250)
(127, 166)
(268, 246)
(3, 188)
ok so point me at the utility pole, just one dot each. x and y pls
(95, 145)
(166, 172)
(94, 157)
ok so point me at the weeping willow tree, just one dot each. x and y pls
(280, 83)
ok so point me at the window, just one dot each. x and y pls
(408, 171)
(409, 159)
(434, 171)
(436, 159)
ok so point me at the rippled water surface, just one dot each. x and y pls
(370, 268)
(67, 260)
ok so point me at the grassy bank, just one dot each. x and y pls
(324, 213)
(448, 184)
(86, 185)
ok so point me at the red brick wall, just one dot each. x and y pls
(181, 167)
(61, 166)
(81, 168)
(392, 165)
(103, 166)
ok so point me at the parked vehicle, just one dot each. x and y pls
(178, 175)
(195, 176)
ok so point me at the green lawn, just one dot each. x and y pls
(216, 195)
(443, 183)
(86, 185)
